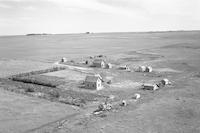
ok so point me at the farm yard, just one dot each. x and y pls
(46, 93)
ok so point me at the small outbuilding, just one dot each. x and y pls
(125, 67)
(93, 82)
(100, 63)
(109, 66)
(148, 69)
(144, 69)
(88, 62)
(63, 59)
(163, 83)
(149, 86)
(136, 96)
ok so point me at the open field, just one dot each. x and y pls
(174, 108)
(20, 113)
(12, 67)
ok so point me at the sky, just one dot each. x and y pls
(79, 16)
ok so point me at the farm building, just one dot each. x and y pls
(125, 67)
(163, 82)
(109, 65)
(149, 86)
(63, 59)
(149, 69)
(144, 69)
(93, 82)
(88, 62)
(99, 63)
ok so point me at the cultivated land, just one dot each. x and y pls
(57, 102)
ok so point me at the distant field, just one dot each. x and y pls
(49, 48)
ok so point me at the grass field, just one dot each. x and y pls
(174, 108)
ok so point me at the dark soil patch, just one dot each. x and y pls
(50, 81)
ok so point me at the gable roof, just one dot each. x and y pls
(99, 76)
(91, 78)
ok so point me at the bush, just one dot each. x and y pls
(29, 90)
(109, 82)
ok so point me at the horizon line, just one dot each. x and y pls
(88, 32)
